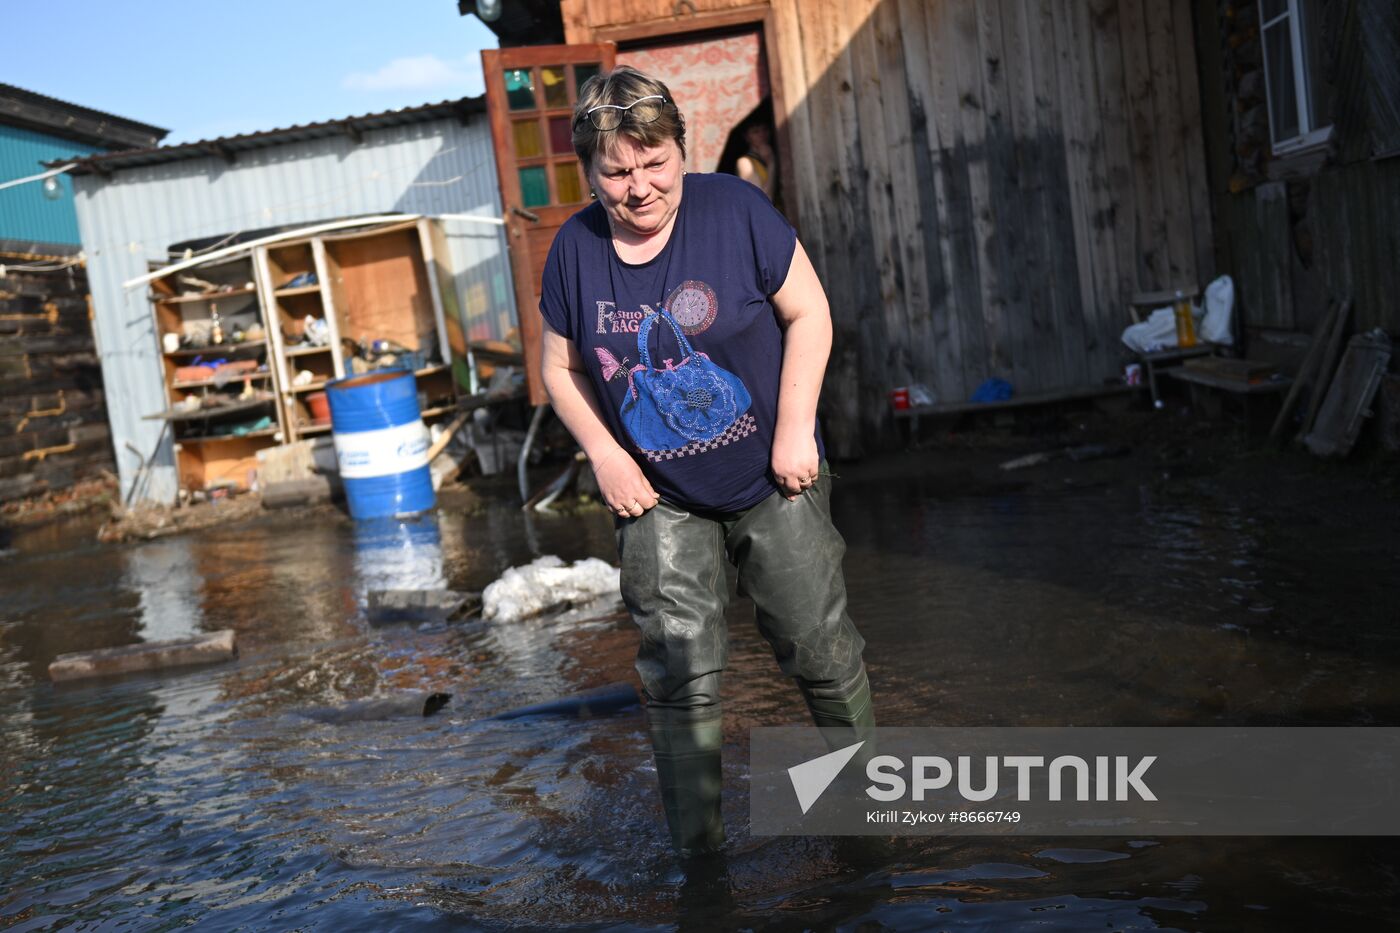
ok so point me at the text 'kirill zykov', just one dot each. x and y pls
(933, 772)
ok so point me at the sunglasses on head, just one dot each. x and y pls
(641, 111)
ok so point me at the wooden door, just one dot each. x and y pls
(530, 94)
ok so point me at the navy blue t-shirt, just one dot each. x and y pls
(700, 422)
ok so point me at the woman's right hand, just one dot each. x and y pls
(624, 487)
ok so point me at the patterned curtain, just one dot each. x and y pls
(716, 82)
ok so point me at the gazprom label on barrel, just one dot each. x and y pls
(382, 452)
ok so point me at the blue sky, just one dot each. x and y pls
(204, 69)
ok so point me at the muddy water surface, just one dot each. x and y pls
(204, 798)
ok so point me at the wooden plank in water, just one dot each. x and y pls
(149, 656)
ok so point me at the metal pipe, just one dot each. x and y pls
(535, 421)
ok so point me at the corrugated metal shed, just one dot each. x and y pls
(25, 214)
(132, 206)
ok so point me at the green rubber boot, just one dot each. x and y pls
(844, 712)
(846, 715)
(686, 744)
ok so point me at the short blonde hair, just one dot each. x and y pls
(620, 87)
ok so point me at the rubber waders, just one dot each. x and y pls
(687, 744)
(843, 712)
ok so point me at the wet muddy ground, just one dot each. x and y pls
(1191, 582)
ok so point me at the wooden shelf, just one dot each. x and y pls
(217, 348)
(305, 351)
(1225, 383)
(216, 438)
(375, 282)
(204, 414)
(217, 384)
(212, 296)
(206, 452)
(298, 290)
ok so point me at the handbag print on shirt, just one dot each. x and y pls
(690, 402)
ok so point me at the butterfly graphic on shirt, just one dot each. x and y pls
(613, 368)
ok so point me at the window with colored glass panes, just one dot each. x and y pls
(541, 101)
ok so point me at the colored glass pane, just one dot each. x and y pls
(528, 143)
(556, 86)
(520, 89)
(566, 182)
(583, 72)
(534, 186)
(560, 136)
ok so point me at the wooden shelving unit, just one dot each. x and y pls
(322, 303)
(301, 309)
(371, 285)
(188, 306)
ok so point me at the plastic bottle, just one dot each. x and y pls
(1185, 323)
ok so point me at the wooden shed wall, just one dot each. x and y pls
(981, 185)
(1298, 233)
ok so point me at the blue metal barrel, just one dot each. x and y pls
(381, 444)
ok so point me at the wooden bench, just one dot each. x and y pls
(1245, 379)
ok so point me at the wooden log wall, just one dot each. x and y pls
(53, 417)
(981, 185)
(1297, 233)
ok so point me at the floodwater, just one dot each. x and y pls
(204, 798)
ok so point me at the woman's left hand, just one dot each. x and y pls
(795, 463)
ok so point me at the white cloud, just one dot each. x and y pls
(419, 72)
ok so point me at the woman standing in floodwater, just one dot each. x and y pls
(686, 339)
